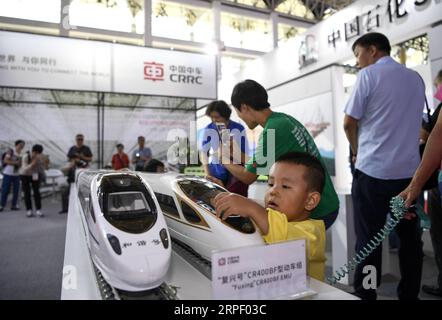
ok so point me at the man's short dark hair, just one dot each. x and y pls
(17, 142)
(376, 39)
(37, 148)
(141, 138)
(315, 176)
(120, 145)
(251, 93)
(153, 165)
(219, 106)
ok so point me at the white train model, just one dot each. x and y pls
(125, 230)
(190, 216)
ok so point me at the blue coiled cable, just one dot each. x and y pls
(398, 210)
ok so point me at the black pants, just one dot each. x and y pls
(371, 199)
(27, 183)
(435, 214)
(65, 197)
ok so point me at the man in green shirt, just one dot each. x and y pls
(282, 133)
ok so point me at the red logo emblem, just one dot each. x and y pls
(153, 71)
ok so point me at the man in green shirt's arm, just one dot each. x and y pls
(281, 134)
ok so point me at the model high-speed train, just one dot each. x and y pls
(190, 216)
(126, 233)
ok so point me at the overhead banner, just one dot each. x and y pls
(34, 61)
(47, 62)
(163, 72)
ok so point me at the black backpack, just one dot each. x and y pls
(9, 151)
(433, 181)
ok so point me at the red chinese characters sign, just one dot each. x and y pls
(153, 71)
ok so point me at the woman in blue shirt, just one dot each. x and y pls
(220, 129)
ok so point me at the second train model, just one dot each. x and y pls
(190, 215)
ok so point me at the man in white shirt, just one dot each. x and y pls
(382, 124)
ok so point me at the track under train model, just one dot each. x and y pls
(163, 292)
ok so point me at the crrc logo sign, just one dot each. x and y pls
(153, 71)
(179, 74)
(222, 261)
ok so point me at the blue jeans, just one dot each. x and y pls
(6, 185)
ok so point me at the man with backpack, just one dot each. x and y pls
(11, 163)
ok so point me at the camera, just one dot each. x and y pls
(19, 160)
(223, 132)
(81, 164)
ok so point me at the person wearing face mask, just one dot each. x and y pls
(214, 137)
(382, 122)
(434, 196)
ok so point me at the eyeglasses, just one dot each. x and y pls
(79, 139)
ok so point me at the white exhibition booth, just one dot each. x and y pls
(111, 93)
(144, 91)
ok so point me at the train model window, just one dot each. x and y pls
(190, 214)
(167, 204)
(127, 204)
(202, 193)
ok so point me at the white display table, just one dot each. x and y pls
(79, 279)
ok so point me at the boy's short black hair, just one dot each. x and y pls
(221, 107)
(37, 148)
(152, 165)
(376, 39)
(315, 176)
(251, 93)
(120, 145)
(17, 142)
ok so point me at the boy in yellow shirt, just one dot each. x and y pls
(295, 184)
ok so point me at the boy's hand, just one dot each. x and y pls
(227, 204)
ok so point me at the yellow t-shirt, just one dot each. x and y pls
(313, 230)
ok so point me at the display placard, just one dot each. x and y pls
(260, 272)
